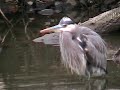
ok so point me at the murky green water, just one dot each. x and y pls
(25, 65)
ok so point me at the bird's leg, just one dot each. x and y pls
(88, 75)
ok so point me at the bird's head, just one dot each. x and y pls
(65, 24)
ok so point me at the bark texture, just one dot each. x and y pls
(105, 22)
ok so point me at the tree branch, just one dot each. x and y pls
(5, 17)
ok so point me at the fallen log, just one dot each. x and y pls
(105, 22)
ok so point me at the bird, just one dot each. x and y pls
(82, 50)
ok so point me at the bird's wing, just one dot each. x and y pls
(94, 47)
(96, 51)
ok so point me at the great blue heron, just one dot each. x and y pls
(82, 49)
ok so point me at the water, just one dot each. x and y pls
(25, 65)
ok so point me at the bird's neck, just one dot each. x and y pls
(71, 54)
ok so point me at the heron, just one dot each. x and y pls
(83, 51)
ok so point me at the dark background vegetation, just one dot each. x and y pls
(24, 12)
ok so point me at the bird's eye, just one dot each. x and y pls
(64, 25)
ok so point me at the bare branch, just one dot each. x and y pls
(26, 25)
(5, 17)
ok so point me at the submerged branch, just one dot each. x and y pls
(5, 17)
(3, 39)
(26, 25)
(10, 30)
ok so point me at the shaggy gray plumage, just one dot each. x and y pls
(83, 51)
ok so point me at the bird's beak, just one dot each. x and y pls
(51, 30)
